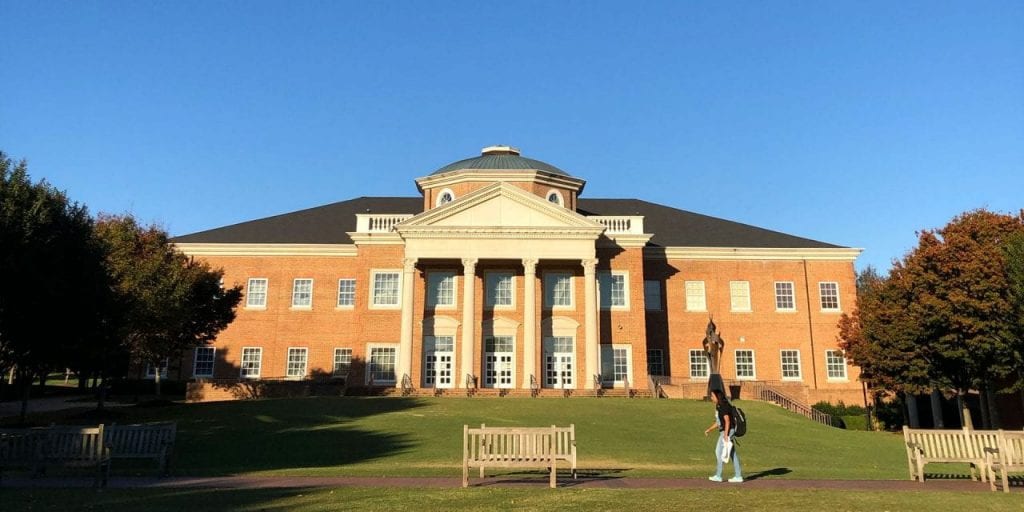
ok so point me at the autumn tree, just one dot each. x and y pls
(962, 302)
(169, 302)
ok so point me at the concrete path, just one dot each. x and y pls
(252, 482)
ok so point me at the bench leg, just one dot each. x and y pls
(465, 473)
(554, 480)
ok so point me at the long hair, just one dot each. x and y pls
(720, 396)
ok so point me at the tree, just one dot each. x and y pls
(1013, 251)
(961, 300)
(170, 303)
(52, 274)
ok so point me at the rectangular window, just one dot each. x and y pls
(256, 296)
(203, 365)
(655, 362)
(745, 364)
(615, 364)
(700, 367)
(790, 365)
(342, 362)
(296, 363)
(612, 288)
(382, 365)
(302, 293)
(695, 298)
(835, 363)
(829, 296)
(385, 289)
(558, 290)
(441, 289)
(739, 295)
(652, 295)
(500, 289)
(252, 357)
(151, 372)
(785, 298)
(346, 293)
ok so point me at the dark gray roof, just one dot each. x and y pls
(671, 227)
(679, 228)
(503, 162)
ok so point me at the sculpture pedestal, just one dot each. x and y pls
(715, 382)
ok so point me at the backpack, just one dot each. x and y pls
(741, 421)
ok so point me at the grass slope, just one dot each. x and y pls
(423, 436)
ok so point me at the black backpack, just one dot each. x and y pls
(740, 420)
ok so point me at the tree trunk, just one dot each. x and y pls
(867, 406)
(83, 380)
(42, 382)
(965, 412)
(915, 420)
(156, 382)
(25, 381)
(937, 421)
(986, 418)
(993, 407)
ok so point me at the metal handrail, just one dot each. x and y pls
(769, 394)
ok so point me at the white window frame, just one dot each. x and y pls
(440, 195)
(370, 348)
(434, 280)
(738, 291)
(259, 363)
(249, 295)
(342, 356)
(347, 294)
(782, 365)
(655, 361)
(373, 289)
(605, 289)
(821, 296)
(608, 351)
(753, 364)
(288, 374)
(558, 194)
(696, 296)
(550, 281)
(652, 295)
(780, 296)
(195, 362)
(692, 360)
(830, 365)
(151, 374)
(296, 293)
(491, 280)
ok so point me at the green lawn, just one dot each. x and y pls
(731, 499)
(423, 436)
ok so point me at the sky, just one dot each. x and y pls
(853, 123)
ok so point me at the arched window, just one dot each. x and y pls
(446, 196)
(555, 197)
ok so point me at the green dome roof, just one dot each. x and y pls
(500, 157)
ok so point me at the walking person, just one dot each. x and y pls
(726, 448)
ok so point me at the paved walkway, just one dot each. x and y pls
(249, 482)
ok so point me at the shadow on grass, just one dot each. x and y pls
(768, 472)
(264, 500)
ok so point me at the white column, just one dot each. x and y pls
(405, 344)
(529, 321)
(590, 317)
(468, 320)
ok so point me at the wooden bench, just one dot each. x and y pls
(148, 441)
(969, 446)
(518, 447)
(18, 448)
(74, 447)
(1009, 458)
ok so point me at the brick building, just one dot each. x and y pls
(500, 275)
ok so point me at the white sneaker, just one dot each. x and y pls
(715, 478)
(734, 480)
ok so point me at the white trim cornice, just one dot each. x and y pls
(752, 253)
(479, 175)
(211, 249)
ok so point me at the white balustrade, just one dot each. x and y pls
(379, 222)
(621, 224)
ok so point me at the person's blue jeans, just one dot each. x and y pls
(735, 456)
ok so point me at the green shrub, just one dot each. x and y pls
(840, 409)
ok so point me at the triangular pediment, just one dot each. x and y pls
(500, 206)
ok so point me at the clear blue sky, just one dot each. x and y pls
(855, 123)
